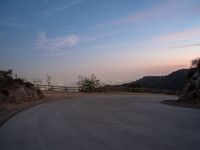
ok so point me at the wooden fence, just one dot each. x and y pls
(137, 90)
(108, 89)
(57, 88)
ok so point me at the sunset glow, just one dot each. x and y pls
(118, 41)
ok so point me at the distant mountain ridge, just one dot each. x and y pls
(174, 81)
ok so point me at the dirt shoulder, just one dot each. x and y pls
(7, 110)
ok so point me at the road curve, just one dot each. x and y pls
(104, 122)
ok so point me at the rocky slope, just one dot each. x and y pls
(16, 90)
(191, 93)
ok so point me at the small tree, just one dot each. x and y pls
(88, 84)
(195, 66)
(7, 73)
(191, 92)
(6, 79)
(48, 81)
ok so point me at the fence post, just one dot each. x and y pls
(66, 89)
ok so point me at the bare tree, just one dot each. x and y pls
(48, 80)
(36, 80)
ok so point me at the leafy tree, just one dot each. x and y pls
(88, 84)
(195, 66)
(7, 73)
(6, 79)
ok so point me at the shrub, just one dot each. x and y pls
(88, 84)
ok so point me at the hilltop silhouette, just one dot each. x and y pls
(173, 81)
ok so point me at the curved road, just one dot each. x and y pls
(104, 122)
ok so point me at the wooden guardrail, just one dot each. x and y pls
(109, 89)
(138, 90)
(56, 88)
(159, 91)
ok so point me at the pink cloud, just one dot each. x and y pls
(152, 13)
(145, 15)
(185, 46)
(176, 10)
(189, 34)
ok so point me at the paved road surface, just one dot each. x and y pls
(104, 122)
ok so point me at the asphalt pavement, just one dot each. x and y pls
(104, 122)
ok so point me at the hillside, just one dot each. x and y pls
(16, 89)
(174, 81)
(191, 92)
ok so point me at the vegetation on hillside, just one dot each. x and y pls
(16, 89)
(191, 92)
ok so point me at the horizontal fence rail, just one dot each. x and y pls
(108, 89)
(137, 90)
(57, 88)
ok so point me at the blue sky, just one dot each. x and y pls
(117, 40)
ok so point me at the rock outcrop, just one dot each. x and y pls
(191, 93)
(22, 92)
(17, 90)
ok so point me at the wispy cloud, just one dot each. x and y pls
(155, 12)
(184, 35)
(101, 36)
(182, 39)
(175, 9)
(15, 21)
(57, 9)
(17, 24)
(56, 54)
(56, 43)
(184, 46)
(45, 2)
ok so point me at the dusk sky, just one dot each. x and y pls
(117, 40)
